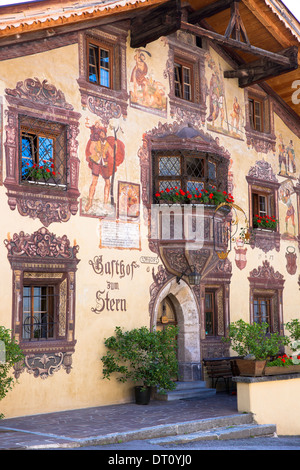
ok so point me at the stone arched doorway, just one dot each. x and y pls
(181, 299)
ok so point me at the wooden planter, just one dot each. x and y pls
(279, 370)
(250, 368)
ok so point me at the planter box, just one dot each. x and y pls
(278, 370)
(250, 368)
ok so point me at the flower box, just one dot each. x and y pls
(250, 368)
(278, 370)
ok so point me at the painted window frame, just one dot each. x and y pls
(31, 199)
(55, 264)
(183, 48)
(262, 181)
(263, 140)
(268, 284)
(105, 102)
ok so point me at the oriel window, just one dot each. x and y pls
(186, 170)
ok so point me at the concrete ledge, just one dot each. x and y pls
(271, 399)
(265, 378)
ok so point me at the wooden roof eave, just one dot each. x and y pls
(29, 27)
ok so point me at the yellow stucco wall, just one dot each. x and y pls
(84, 386)
(272, 402)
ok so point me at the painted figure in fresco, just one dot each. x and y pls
(103, 154)
(291, 157)
(286, 157)
(282, 155)
(235, 115)
(216, 98)
(139, 73)
(290, 213)
(146, 90)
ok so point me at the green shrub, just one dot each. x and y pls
(147, 358)
(12, 355)
(254, 340)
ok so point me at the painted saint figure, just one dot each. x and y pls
(290, 213)
(103, 154)
(235, 115)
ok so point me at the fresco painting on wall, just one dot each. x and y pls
(128, 200)
(222, 118)
(104, 154)
(1, 140)
(286, 193)
(146, 93)
(286, 158)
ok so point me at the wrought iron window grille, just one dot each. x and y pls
(42, 152)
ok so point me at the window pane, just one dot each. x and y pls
(208, 323)
(163, 185)
(194, 186)
(195, 167)
(38, 312)
(212, 170)
(262, 205)
(93, 63)
(46, 150)
(169, 166)
(104, 68)
(27, 153)
(178, 80)
(187, 83)
(104, 78)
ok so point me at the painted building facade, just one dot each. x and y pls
(112, 125)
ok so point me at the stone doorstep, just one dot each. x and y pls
(222, 433)
(177, 430)
(224, 427)
(196, 389)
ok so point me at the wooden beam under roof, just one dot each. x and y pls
(156, 22)
(209, 10)
(263, 69)
(233, 43)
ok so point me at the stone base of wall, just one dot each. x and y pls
(272, 400)
(189, 371)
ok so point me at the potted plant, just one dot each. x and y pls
(254, 344)
(145, 357)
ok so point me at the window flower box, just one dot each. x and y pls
(264, 222)
(283, 365)
(202, 196)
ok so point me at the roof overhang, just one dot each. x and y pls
(261, 37)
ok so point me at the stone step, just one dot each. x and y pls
(220, 433)
(185, 390)
(190, 385)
